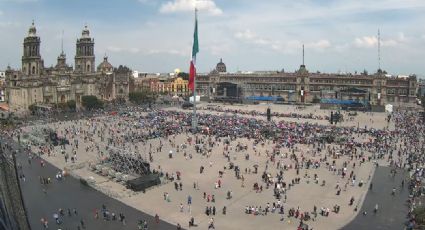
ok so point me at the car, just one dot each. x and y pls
(187, 105)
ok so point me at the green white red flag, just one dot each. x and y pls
(195, 50)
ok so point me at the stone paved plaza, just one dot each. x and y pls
(93, 136)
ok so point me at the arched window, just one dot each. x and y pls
(33, 70)
(88, 68)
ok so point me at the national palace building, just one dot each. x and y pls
(303, 86)
(35, 84)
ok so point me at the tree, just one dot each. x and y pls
(419, 214)
(183, 75)
(143, 96)
(72, 105)
(32, 108)
(122, 69)
(61, 106)
(316, 99)
(91, 102)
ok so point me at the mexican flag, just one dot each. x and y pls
(195, 50)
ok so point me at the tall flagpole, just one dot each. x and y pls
(194, 118)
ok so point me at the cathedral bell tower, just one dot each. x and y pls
(32, 64)
(84, 58)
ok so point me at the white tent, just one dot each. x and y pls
(389, 108)
(198, 98)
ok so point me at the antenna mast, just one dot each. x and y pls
(303, 54)
(62, 42)
(379, 49)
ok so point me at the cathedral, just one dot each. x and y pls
(35, 84)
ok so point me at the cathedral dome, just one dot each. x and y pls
(221, 67)
(105, 66)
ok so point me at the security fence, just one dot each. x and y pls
(12, 211)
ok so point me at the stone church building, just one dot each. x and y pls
(35, 84)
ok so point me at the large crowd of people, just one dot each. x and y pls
(340, 150)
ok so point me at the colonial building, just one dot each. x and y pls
(36, 84)
(163, 84)
(303, 86)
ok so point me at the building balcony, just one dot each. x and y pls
(79, 91)
(62, 89)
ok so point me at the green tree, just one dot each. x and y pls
(91, 102)
(143, 96)
(61, 106)
(32, 108)
(316, 99)
(72, 105)
(183, 75)
(419, 215)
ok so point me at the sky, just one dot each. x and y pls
(250, 35)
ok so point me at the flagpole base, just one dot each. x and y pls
(194, 124)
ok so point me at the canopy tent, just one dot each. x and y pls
(389, 108)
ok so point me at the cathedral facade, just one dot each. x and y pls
(35, 84)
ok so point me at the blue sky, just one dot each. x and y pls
(156, 35)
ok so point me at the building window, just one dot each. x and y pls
(33, 70)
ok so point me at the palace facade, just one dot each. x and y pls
(303, 86)
(35, 84)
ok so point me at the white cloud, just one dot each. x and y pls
(122, 49)
(189, 5)
(245, 35)
(134, 50)
(366, 41)
(250, 37)
(402, 38)
(319, 45)
(114, 49)
(9, 24)
(169, 51)
(217, 48)
(372, 41)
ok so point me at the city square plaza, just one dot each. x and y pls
(303, 195)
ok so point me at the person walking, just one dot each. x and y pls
(375, 210)
(157, 218)
(82, 224)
